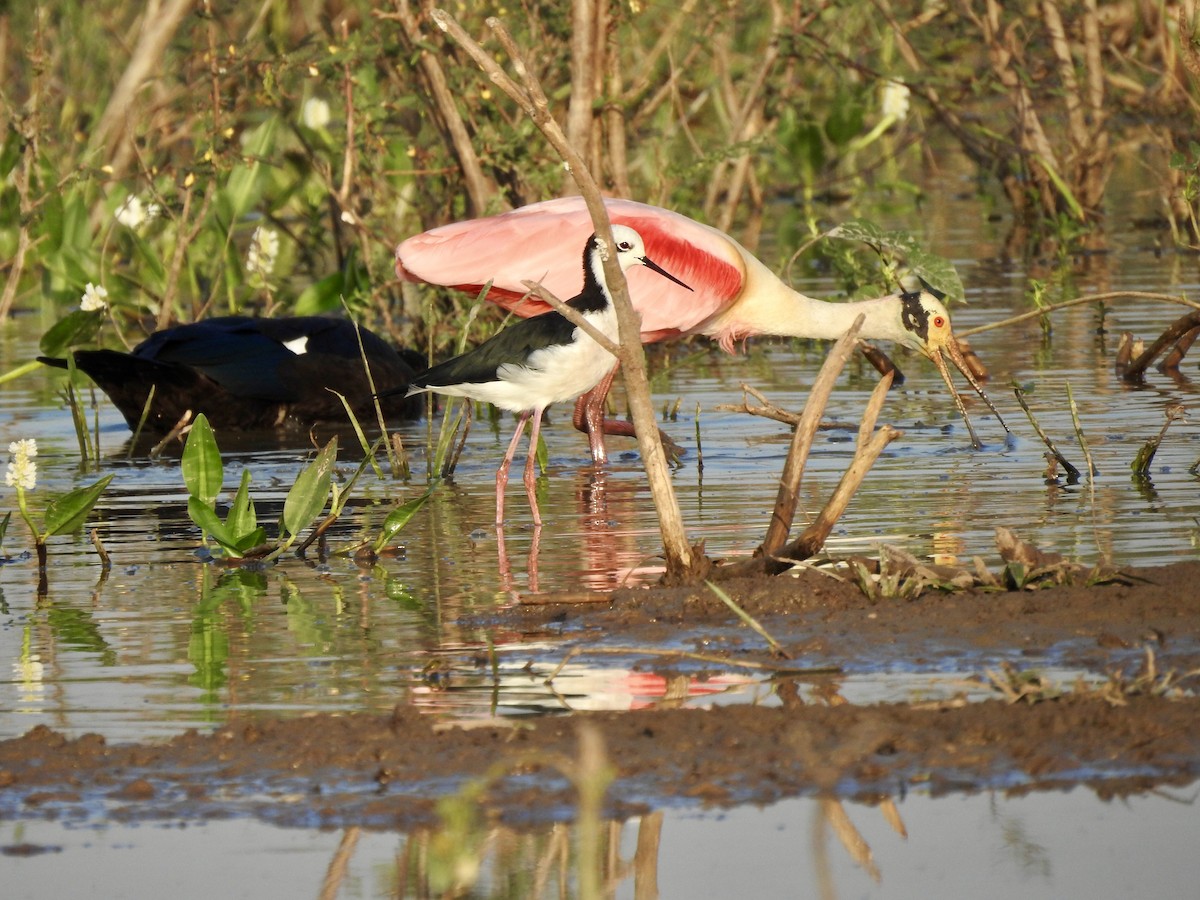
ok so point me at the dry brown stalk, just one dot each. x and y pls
(112, 135)
(682, 561)
(481, 190)
(773, 557)
(802, 439)
(1090, 298)
(813, 538)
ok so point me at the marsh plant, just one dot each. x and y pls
(239, 534)
(63, 513)
(205, 158)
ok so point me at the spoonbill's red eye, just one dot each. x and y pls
(939, 322)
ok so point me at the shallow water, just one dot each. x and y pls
(1068, 844)
(166, 641)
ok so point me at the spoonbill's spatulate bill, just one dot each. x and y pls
(733, 295)
(542, 360)
(248, 374)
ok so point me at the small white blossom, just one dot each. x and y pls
(22, 470)
(264, 248)
(95, 298)
(133, 213)
(895, 100)
(315, 113)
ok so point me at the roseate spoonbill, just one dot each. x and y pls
(734, 295)
(250, 374)
(542, 360)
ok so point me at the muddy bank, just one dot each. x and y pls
(389, 771)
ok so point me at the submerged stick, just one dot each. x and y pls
(1179, 330)
(1072, 472)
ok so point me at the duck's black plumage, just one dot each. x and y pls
(251, 374)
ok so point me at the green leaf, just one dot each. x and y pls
(210, 523)
(938, 272)
(859, 230)
(76, 327)
(398, 518)
(150, 259)
(242, 519)
(10, 153)
(250, 540)
(307, 497)
(321, 297)
(66, 514)
(245, 185)
(201, 463)
(845, 121)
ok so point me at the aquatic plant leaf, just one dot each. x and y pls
(242, 519)
(207, 520)
(76, 327)
(201, 463)
(247, 542)
(321, 296)
(845, 121)
(307, 497)
(398, 518)
(10, 151)
(66, 514)
(246, 182)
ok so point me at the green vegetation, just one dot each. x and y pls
(189, 159)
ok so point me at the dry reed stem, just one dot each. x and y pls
(481, 190)
(1090, 298)
(112, 134)
(802, 439)
(814, 536)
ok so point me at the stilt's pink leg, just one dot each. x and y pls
(531, 467)
(589, 416)
(502, 472)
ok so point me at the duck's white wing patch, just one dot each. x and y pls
(299, 345)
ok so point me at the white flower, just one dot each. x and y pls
(95, 298)
(895, 100)
(264, 248)
(22, 470)
(314, 113)
(133, 213)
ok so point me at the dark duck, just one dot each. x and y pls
(249, 374)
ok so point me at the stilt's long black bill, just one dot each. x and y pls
(655, 267)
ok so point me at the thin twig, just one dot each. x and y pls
(1090, 298)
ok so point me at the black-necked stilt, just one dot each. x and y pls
(542, 360)
(249, 374)
(735, 296)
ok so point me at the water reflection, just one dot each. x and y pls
(1039, 845)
